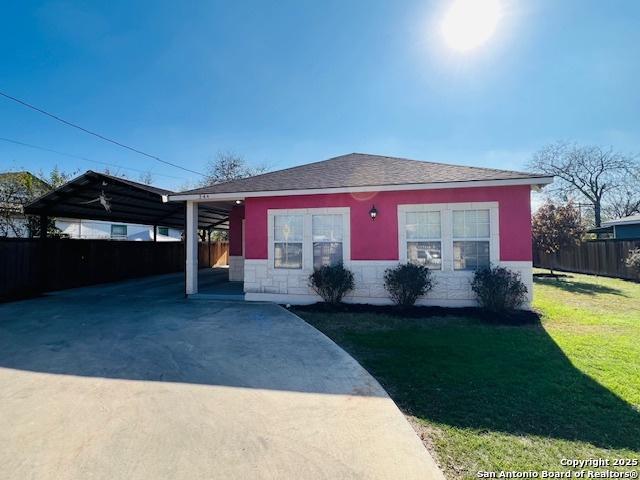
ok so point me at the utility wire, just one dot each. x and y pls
(102, 137)
(70, 155)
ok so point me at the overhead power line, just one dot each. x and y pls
(71, 155)
(102, 137)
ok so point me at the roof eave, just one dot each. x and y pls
(613, 223)
(535, 182)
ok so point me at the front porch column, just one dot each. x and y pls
(191, 246)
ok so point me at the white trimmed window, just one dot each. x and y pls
(307, 238)
(287, 245)
(424, 238)
(471, 239)
(327, 239)
(449, 236)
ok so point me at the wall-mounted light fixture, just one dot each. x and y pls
(373, 213)
(238, 202)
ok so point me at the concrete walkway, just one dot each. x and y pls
(120, 382)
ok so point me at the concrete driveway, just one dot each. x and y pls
(132, 381)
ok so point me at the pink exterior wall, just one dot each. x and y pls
(235, 231)
(378, 240)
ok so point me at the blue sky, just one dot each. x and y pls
(290, 82)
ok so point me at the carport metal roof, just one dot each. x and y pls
(98, 196)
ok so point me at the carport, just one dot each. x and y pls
(98, 196)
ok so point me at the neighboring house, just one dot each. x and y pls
(16, 190)
(20, 188)
(626, 228)
(97, 229)
(370, 212)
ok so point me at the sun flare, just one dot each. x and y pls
(470, 23)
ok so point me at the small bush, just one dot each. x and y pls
(331, 282)
(405, 283)
(633, 260)
(498, 289)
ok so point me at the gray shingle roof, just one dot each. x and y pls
(361, 170)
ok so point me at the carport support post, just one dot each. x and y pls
(191, 247)
(155, 233)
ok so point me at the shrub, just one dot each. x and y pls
(498, 289)
(405, 283)
(331, 282)
(633, 260)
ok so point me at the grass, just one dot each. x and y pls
(487, 397)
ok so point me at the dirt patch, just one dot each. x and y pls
(428, 435)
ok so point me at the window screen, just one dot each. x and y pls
(423, 234)
(287, 247)
(327, 240)
(471, 232)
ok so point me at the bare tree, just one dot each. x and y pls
(228, 166)
(146, 177)
(114, 173)
(188, 185)
(624, 200)
(590, 172)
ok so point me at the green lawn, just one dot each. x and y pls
(487, 397)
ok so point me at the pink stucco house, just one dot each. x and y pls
(369, 212)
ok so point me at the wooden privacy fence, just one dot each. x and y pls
(29, 266)
(215, 254)
(598, 257)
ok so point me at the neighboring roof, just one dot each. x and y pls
(128, 201)
(39, 185)
(630, 220)
(17, 188)
(357, 170)
(16, 176)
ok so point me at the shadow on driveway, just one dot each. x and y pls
(142, 391)
(511, 379)
(102, 332)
